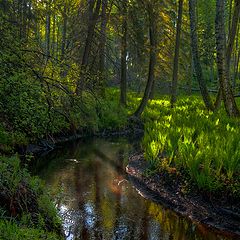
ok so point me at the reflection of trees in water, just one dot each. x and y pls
(103, 196)
(116, 229)
(120, 158)
(176, 228)
(112, 162)
(97, 180)
(45, 166)
(144, 224)
(117, 166)
(127, 223)
(80, 229)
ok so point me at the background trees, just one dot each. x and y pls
(70, 48)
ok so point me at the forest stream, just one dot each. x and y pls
(96, 200)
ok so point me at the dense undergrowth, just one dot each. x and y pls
(201, 147)
(30, 122)
(26, 209)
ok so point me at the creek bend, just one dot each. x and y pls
(96, 200)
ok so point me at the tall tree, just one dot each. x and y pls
(222, 64)
(236, 59)
(93, 13)
(64, 31)
(176, 55)
(233, 26)
(195, 54)
(152, 57)
(123, 79)
(232, 33)
(102, 46)
(48, 29)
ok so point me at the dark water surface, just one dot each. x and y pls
(96, 201)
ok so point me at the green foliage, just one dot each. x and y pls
(111, 115)
(26, 118)
(10, 174)
(9, 230)
(202, 144)
(21, 191)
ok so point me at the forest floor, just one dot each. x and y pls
(168, 189)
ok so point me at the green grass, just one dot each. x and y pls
(12, 231)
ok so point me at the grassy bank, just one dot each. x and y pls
(200, 147)
(26, 209)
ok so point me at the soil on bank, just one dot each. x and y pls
(167, 189)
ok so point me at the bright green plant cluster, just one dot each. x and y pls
(205, 146)
(111, 115)
(12, 231)
(19, 192)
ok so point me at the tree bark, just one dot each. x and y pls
(176, 55)
(230, 16)
(152, 61)
(102, 46)
(223, 73)
(232, 33)
(123, 80)
(93, 16)
(48, 31)
(236, 67)
(195, 54)
(63, 72)
(53, 36)
(233, 26)
(64, 32)
(24, 19)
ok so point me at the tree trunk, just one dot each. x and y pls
(195, 54)
(228, 98)
(93, 16)
(24, 19)
(230, 16)
(232, 33)
(64, 32)
(54, 36)
(102, 47)
(152, 61)
(58, 41)
(233, 26)
(123, 80)
(236, 59)
(236, 67)
(29, 21)
(48, 32)
(176, 55)
(63, 72)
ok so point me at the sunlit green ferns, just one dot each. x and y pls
(204, 146)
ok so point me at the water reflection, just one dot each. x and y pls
(96, 200)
